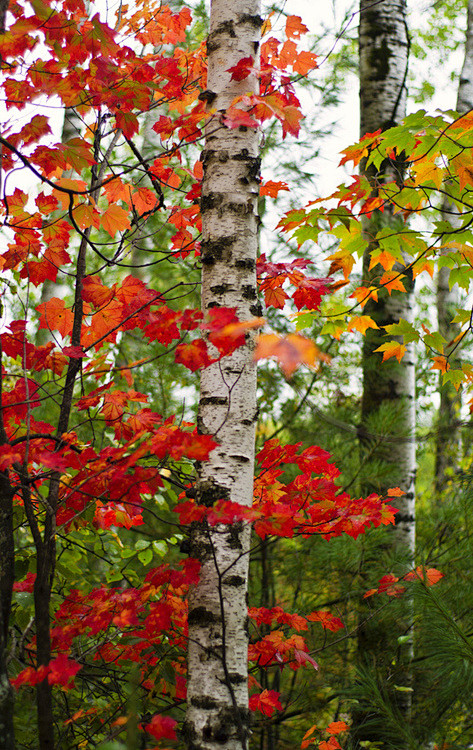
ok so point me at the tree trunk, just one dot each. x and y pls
(447, 444)
(388, 401)
(7, 552)
(217, 694)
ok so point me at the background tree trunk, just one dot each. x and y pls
(218, 637)
(388, 401)
(447, 444)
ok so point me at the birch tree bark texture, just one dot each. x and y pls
(387, 432)
(217, 715)
(383, 49)
(447, 444)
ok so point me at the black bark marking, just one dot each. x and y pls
(220, 288)
(256, 310)
(234, 531)
(204, 702)
(237, 679)
(248, 292)
(255, 21)
(247, 263)
(203, 616)
(217, 250)
(215, 400)
(207, 96)
(235, 581)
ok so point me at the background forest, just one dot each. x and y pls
(360, 628)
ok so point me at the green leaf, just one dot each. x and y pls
(145, 556)
(404, 329)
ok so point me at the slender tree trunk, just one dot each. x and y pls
(217, 693)
(447, 444)
(388, 402)
(7, 551)
(7, 577)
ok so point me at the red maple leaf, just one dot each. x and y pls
(242, 69)
(162, 727)
(266, 702)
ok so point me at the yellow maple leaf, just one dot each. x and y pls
(341, 261)
(392, 349)
(463, 166)
(361, 323)
(428, 171)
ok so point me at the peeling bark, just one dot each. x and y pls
(217, 715)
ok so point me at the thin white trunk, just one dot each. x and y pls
(384, 50)
(388, 402)
(217, 715)
(447, 444)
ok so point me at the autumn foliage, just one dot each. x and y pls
(83, 453)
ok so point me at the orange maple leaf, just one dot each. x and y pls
(327, 620)
(335, 727)
(275, 297)
(307, 738)
(440, 363)
(55, 316)
(341, 260)
(272, 188)
(331, 744)
(361, 323)
(392, 349)
(144, 200)
(291, 351)
(395, 492)
(363, 293)
(295, 28)
(304, 62)
(115, 219)
(385, 259)
(392, 281)
(429, 576)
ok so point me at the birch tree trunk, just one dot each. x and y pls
(388, 401)
(447, 444)
(217, 693)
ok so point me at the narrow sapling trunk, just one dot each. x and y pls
(217, 692)
(447, 443)
(388, 401)
(7, 551)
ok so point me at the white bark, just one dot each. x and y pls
(217, 714)
(388, 402)
(383, 43)
(383, 49)
(447, 444)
